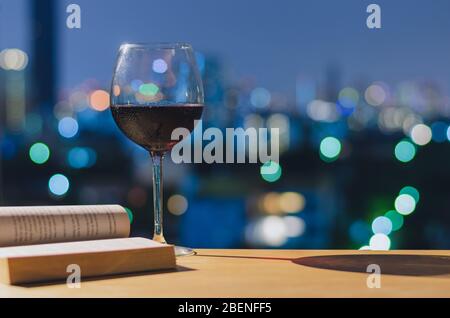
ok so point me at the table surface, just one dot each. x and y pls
(271, 273)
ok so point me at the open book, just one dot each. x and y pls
(45, 243)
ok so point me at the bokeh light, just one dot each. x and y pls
(116, 90)
(291, 202)
(274, 231)
(159, 66)
(149, 89)
(81, 157)
(13, 60)
(412, 192)
(260, 97)
(405, 204)
(439, 131)
(271, 171)
(382, 225)
(396, 219)
(330, 148)
(58, 184)
(405, 151)
(68, 127)
(295, 226)
(270, 203)
(39, 153)
(130, 214)
(320, 110)
(348, 97)
(177, 204)
(380, 242)
(375, 95)
(421, 134)
(99, 100)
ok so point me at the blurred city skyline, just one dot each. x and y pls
(363, 118)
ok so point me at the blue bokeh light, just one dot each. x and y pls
(68, 127)
(58, 184)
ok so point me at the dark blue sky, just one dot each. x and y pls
(272, 41)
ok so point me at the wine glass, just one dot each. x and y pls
(156, 88)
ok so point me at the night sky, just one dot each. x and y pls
(271, 41)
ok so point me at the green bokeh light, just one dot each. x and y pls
(405, 151)
(412, 192)
(271, 171)
(130, 214)
(330, 148)
(396, 219)
(39, 153)
(148, 89)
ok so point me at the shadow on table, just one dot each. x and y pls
(406, 265)
(104, 277)
(390, 264)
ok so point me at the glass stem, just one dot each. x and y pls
(157, 159)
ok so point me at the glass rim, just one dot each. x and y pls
(156, 45)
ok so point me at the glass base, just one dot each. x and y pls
(184, 251)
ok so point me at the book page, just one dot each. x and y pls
(47, 224)
(79, 247)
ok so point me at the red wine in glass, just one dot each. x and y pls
(151, 126)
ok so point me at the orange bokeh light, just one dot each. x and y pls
(99, 100)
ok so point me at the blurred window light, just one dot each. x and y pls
(99, 100)
(291, 202)
(365, 248)
(380, 242)
(177, 204)
(68, 127)
(260, 97)
(348, 97)
(39, 153)
(58, 184)
(405, 151)
(448, 133)
(421, 134)
(159, 66)
(319, 110)
(405, 204)
(412, 192)
(13, 60)
(295, 226)
(396, 219)
(382, 225)
(439, 131)
(330, 148)
(375, 95)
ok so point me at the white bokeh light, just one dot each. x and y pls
(405, 204)
(380, 242)
(421, 134)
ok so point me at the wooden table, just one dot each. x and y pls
(271, 273)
